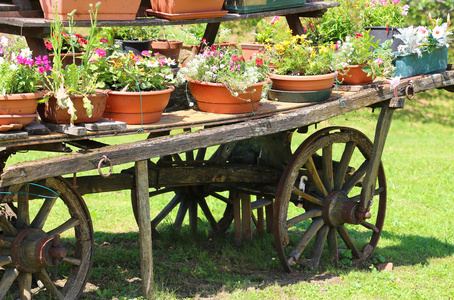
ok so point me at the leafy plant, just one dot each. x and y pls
(121, 71)
(392, 13)
(132, 33)
(362, 50)
(297, 56)
(71, 42)
(271, 32)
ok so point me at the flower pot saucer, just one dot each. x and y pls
(300, 97)
(4, 128)
(22, 120)
(188, 16)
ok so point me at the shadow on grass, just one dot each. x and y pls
(186, 266)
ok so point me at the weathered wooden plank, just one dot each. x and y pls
(35, 128)
(143, 205)
(104, 124)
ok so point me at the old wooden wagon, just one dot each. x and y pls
(334, 181)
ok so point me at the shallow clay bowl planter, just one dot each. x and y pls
(170, 49)
(137, 108)
(50, 112)
(250, 49)
(355, 76)
(16, 119)
(187, 9)
(19, 104)
(302, 83)
(217, 98)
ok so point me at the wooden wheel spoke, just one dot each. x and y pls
(71, 223)
(160, 192)
(169, 207)
(343, 165)
(348, 241)
(9, 275)
(307, 197)
(182, 210)
(176, 157)
(356, 177)
(71, 261)
(313, 174)
(192, 209)
(23, 211)
(305, 239)
(6, 244)
(43, 213)
(332, 246)
(222, 198)
(327, 167)
(201, 154)
(320, 239)
(307, 215)
(25, 286)
(377, 192)
(7, 227)
(5, 260)
(44, 277)
(370, 226)
(207, 212)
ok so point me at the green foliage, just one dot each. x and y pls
(132, 33)
(272, 31)
(391, 13)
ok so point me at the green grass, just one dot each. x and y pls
(418, 236)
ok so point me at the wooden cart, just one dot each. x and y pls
(334, 180)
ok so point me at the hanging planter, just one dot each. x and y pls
(217, 98)
(51, 112)
(383, 33)
(302, 83)
(108, 10)
(430, 62)
(136, 107)
(355, 76)
(187, 9)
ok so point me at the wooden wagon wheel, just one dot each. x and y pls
(46, 241)
(323, 181)
(189, 198)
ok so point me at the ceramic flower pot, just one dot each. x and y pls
(108, 10)
(50, 112)
(413, 65)
(217, 98)
(355, 76)
(137, 107)
(302, 83)
(19, 104)
(135, 46)
(251, 49)
(166, 48)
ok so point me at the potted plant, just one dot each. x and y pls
(19, 82)
(383, 18)
(222, 81)
(137, 86)
(72, 48)
(302, 67)
(70, 96)
(131, 38)
(187, 9)
(360, 60)
(424, 50)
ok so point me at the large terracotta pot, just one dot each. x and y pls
(355, 76)
(166, 48)
(50, 112)
(19, 104)
(302, 83)
(131, 108)
(217, 98)
(108, 10)
(251, 49)
(186, 6)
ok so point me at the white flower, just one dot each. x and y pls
(2, 60)
(26, 52)
(13, 67)
(4, 41)
(439, 31)
(394, 82)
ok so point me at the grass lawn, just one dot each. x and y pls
(418, 235)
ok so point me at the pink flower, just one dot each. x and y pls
(100, 52)
(214, 68)
(394, 82)
(396, 1)
(145, 53)
(383, 2)
(404, 12)
(104, 41)
(274, 20)
(48, 45)
(379, 61)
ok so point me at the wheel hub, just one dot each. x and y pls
(33, 249)
(339, 209)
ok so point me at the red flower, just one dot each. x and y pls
(235, 57)
(81, 40)
(259, 62)
(358, 35)
(65, 34)
(104, 41)
(48, 45)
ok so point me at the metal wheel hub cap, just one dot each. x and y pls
(339, 209)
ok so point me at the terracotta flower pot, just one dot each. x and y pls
(50, 112)
(217, 98)
(166, 48)
(355, 76)
(251, 49)
(186, 6)
(302, 83)
(129, 107)
(19, 104)
(67, 58)
(108, 10)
